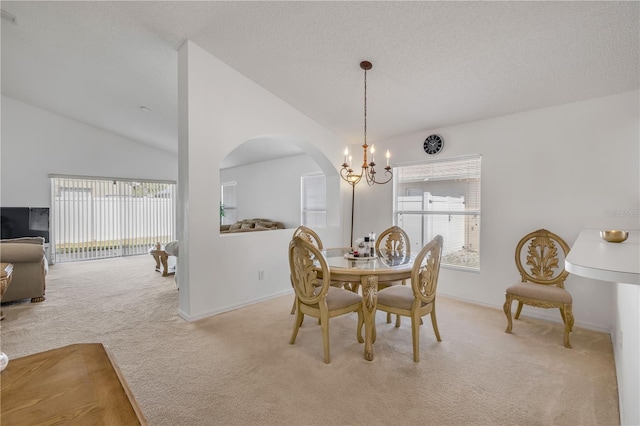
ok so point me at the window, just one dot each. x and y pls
(441, 198)
(228, 211)
(106, 217)
(313, 209)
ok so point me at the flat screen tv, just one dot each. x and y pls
(19, 222)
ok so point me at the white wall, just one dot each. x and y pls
(221, 109)
(270, 189)
(563, 168)
(36, 142)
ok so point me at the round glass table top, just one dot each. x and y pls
(340, 258)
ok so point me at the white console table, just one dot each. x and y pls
(619, 263)
(592, 257)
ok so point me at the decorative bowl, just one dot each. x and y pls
(614, 236)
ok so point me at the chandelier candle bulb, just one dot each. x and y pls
(346, 154)
(373, 150)
(388, 155)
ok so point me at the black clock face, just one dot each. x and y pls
(433, 144)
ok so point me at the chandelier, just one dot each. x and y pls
(368, 170)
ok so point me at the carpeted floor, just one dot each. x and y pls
(238, 368)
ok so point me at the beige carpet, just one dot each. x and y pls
(239, 369)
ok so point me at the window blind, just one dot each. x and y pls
(442, 198)
(313, 209)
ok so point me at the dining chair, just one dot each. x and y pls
(395, 242)
(419, 299)
(309, 235)
(316, 297)
(312, 237)
(542, 285)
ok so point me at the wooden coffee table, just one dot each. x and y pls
(78, 384)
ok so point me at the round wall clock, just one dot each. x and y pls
(433, 144)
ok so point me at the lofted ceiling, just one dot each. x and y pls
(435, 63)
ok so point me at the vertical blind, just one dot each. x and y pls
(103, 217)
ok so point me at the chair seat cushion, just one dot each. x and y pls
(338, 298)
(398, 296)
(543, 292)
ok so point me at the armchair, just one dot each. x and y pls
(27, 255)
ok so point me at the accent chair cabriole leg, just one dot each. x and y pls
(520, 304)
(568, 325)
(507, 312)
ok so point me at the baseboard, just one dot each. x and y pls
(228, 308)
(534, 315)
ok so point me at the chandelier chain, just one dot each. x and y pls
(365, 107)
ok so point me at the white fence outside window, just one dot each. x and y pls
(96, 218)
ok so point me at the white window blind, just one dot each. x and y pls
(104, 217)
(228, 210)
(441, 198)
(313, 209)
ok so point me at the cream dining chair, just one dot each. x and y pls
(312, 237)
(542, 285)
(316, 297)
(395, 242)
(419, 299)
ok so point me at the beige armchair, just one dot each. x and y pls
(315, 296)
(27, 255)
(542, 285)
(419, 299)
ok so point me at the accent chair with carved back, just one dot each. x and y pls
(540, 258)
(315, 296)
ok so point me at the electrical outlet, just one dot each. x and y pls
(261, 275)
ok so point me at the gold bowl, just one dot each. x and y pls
(614, 236)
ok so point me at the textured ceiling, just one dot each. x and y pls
(434, 63)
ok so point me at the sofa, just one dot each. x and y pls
(30, 267)
(251, 225)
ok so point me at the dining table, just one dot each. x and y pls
(365, 273)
